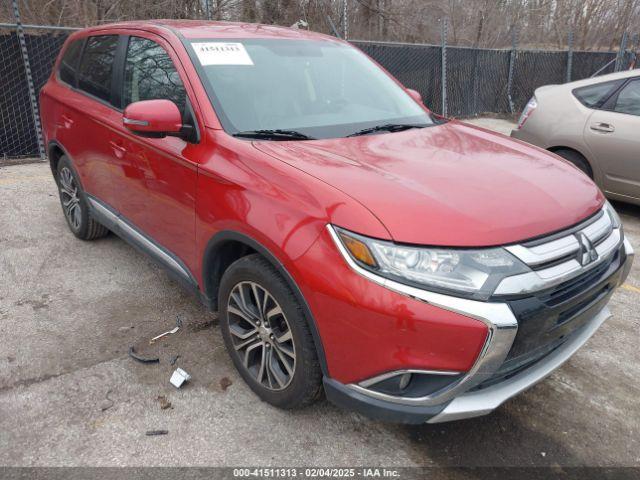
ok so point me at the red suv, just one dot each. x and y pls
(415, 268)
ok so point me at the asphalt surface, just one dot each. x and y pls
(70, 395)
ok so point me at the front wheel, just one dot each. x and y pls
(266, 334)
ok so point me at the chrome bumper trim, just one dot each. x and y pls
(481, 402)
(502, 327)
(395, 373)
(628, 250)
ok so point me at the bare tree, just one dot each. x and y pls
(597, 24)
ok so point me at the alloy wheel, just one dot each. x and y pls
(69, 198)
(261, 335)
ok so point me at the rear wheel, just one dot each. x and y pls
(577, 159)
(74, 204)
(267, 335)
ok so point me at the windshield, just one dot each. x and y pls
(320, 89)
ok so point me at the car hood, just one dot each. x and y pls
(451, 184)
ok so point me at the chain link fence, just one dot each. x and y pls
(482, 81)
(416, 66)
(19, 132)
(476, 81)
(453, 81)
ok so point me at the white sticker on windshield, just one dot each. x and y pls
(218, 53)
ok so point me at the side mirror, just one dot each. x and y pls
(415, 95)
(153, 118)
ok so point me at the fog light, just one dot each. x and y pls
(412, 383)
(404, 380)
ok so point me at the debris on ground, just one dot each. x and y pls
(135, 356)
(169, 332)
(152, 433)
(225, 383)
(179, 377)
(174, 359)
(158, 337)
(164, 403)
(107, 403)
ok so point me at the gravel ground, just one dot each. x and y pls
(70, 395)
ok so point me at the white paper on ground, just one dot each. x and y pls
(179, 377)
(219, 53)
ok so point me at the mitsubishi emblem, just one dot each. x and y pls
(587, 253)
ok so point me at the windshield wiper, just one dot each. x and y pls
(387, 127)
(276, 134)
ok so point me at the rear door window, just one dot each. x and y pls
(594, 96)
(628, 100)
(69, 62)
(96, 67)
(149, 74)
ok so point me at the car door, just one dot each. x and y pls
(612, 134)
(88, 114)
(68, 104)
(157, 176)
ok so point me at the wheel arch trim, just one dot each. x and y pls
(209, 285)
(55, 144)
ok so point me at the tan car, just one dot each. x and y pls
(593, 123)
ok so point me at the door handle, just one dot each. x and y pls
(66, 121)
(118, 150)
(603, 127)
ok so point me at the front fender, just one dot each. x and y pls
(225, 237)
(281, 207)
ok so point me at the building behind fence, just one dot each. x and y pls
(453, 81)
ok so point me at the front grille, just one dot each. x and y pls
(567, 296)
(549, 317)
(547, 320)
(573, 287)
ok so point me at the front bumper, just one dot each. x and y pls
(481, 402)
(468, 405)
(480, 391)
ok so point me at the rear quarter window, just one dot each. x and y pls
(628, 100)
(594, 96)
(69, 62)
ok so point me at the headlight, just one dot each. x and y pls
(463, 272)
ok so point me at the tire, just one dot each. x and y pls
(74, 203)
(577, 159)
(240, 317)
